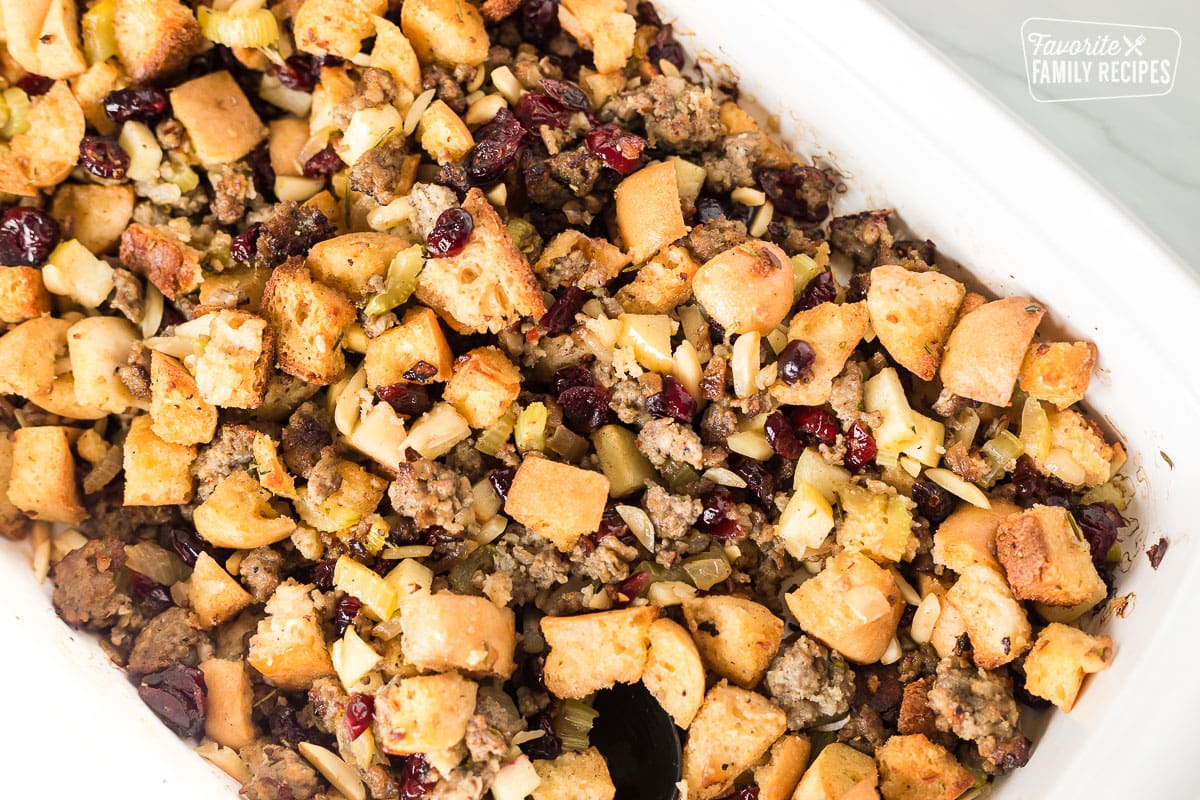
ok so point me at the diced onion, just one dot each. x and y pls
(669, 593)
(1035, 430)
(958, 487)
(706, 572)
(437, 431)
(353, 578)
(255, 29)
(1062, 465)
(292, 101)
(145, 154)
(752, 444)
(491, 530)
(99, 31)
(18, 112)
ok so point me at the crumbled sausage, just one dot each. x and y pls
(307, 433)
(680, 117)
(673, 514)
(732, 164)
(230, 451)
(973, 703)
(86, 594)
(170, 638)
(260, 572)
(379, 170)
(663, 439)
(715, 236)
(277, 773)
(810, 683)
(431, 494)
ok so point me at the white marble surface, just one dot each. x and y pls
(1144, 152)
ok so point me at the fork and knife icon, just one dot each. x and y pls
(1134, 46)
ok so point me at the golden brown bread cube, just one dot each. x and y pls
(443, 134)
(484, 384)
(748, 287)
(914, 768)
(90, 89)
(1068, 614)
(28, 354)
(1045, 559)
(912, 314)
(23, 295)
(157, 472)
(995, 621)
(488, 285)
(238, 514)
(230, 703)
(1077, 437)
(98, 347)
(839, 772)
(574, 776)
(233, 369)
(594, 651)
(289, 646)
(1059, 661)
(214, 595)
(95, 215)
(777, 777)
(415, 350)
(445, 631)
(42, 36)
(423, 714)
(178, 412)
(332, 26)
(736, 637)
(674, 673)
(968, 535)
(984, 352)
(219, 120)
(160, 256)
(350, 261)
(237, 286)
(604, 260)
(445, 31)
(155, 38)
(661, 284)
(42, 483)
(13, 524)
(286, 138)
(309, 320)
(394, 52)
(852, 605)
(1058, 372)
(833, 331)
(557, 501)
(44, 155)
(733, 730)
(603, 27)
(649, 214)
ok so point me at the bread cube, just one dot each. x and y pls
(42, 483)
(661, 284)
(914, 768)
(852, 605)
(13, 524)
(155, 38)
(877, 524)
(574, 776)
(968, 535)
(1058, 372)
(445, 631)
(649, 214)
(178, 413)
(159, 256)
(232, 370)
(230, 703)
(98, 347)
(484, 384)
(839, 772)
(595, 651)
(309, 320)
(94, 215)
(445, 31)
(603, 259)
(833, 331)
(557, 501)
(674, 673)
(43, 37)
(44, 155)
(416, 350)
(1080, 440)
(732, 731)
(355, 499)
(238, 514)
(443, 134)
(995, 621)
(912, 314)
(423, 714)
(394, 52)
(289, 647)
(748, 287)
(488, 285)
(948, 630)
(157, 472)
(737, 120)
(332, 26)
(1059, 661)
(736, 637)
(219, 120)
(237, 286)
(214, 595)
(603, 27)
(22, 294)
(349, 262)
(777, 777)
(1045, 559)
(985, 350)
(29, 353)
(90, 89)
(1068, 614)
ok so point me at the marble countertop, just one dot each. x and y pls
(1143, 152)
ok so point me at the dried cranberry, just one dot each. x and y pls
(414, 778)
(795, 361)
(560, 317)
(612, 524)
(548, 745)
(188, 544)
(1034, 488)
(816, 421)
(152, 596)
(549, 222)
(647, 14)
(360, 710)
(501, 480)
(759, 482)
(33, 84)
(782, 437)
(450, 233)
(860, 284)
(497, 146)
(322, 574)
(1099, 523)
(617, 148)
(1156, 551)
(177, 695)
(420, 372)
(745, 793)
(407, 399)
(797, 191)
(244, 246)
(300, 72)
(284, 724)
(27, 236)
(259, 161)
(821, 289)
(708, 208)
(574, 375)
(584, 408)
(567, 94)
(141, 105)
(718, 516)
(344, 612)
(934, 502)
(634, 586)
(665, 46)
(539, 20)
(674, 401)
(323, 163)
(103, 157)
(860, 446)
(535, 110)
(404, 532)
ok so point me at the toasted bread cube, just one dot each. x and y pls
(214, 595)
(160, 256)
(13, 524)
(98, 347)
(1045, 559)
(157, 472)
(1081, 441)
(286, 137)
(986, 348)
(232, 371)
(423, 714)
(737, 120)
(94, 215)
(445, 31)
(912, 314)
(736, 637)
(853, 606)
(23, 295)
(155, 38)
(309, 320)
(747, 287)
(28, 354)
(914, 768)
(595, 651)
(874, 523)
(355, 499)
(350, 261)
(833, 331)
(839, 772)
(178, 412)
(1066, 614)
(968, 536)
(446, 631)
(43, 37)
(237, 286)
(1061, 657)
(416, 350)
(777, 777)
(219, 119)
(574, 776)
(332, 26)
(395, 53)
(238, 515)
(661, 284)
(484, 384)
(42, 483)
(90, 89)
(557, 501)
(649, 214)
(603, 27)
(674, 673)
(289, 646)
(604, 261)
(1058, 372)
(230, 703)
(443, 134)
(733, 730)
(44, 155)
(995, 621)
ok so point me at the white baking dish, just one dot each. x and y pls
(907, 132)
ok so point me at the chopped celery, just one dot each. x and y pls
(804, 269)
(530, 430)
(494, 437)
(621, 462)
(377, 596)
(1106, 493)
(523, 234)
(18, 112)
(573, 723)
(256, 29)
(1001, 453)
(679, 476)
(99, 32)
(401, 281)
